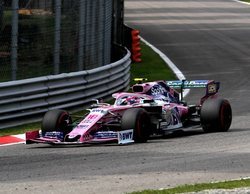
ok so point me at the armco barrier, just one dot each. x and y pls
(27, 100)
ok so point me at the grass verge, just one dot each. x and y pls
(200, 187)
(21, 129)
(248, 1)
(151, 67)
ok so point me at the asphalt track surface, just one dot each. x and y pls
(206, 39)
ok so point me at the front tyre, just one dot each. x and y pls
(56, 120)
(216, 115)
(139, 120)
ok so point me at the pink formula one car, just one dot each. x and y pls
(152, 108)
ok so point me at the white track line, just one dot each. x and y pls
(171, 65)
(20, 136)
(242, 2)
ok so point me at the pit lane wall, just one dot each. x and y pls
(26, 101)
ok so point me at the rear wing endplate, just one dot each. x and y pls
(211, 86)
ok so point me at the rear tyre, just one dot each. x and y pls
(139, 120)
(56, 120)
(216, 115)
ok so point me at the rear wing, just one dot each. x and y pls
(211, 86)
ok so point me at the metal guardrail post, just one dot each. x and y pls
(107, 32)
(81, 35)
(100, 30)
(88, 34)
(58, 5)
(118, 21)
(1, 14)
(92, 31)
(14, 38)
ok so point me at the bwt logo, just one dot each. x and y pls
(125, 136)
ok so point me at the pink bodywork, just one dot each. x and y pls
(105, 113)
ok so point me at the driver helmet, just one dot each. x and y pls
(132, 100)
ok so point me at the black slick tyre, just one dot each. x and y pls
(216, 115)
(139, 120)
(56, 120)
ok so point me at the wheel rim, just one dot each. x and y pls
(62, 121)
